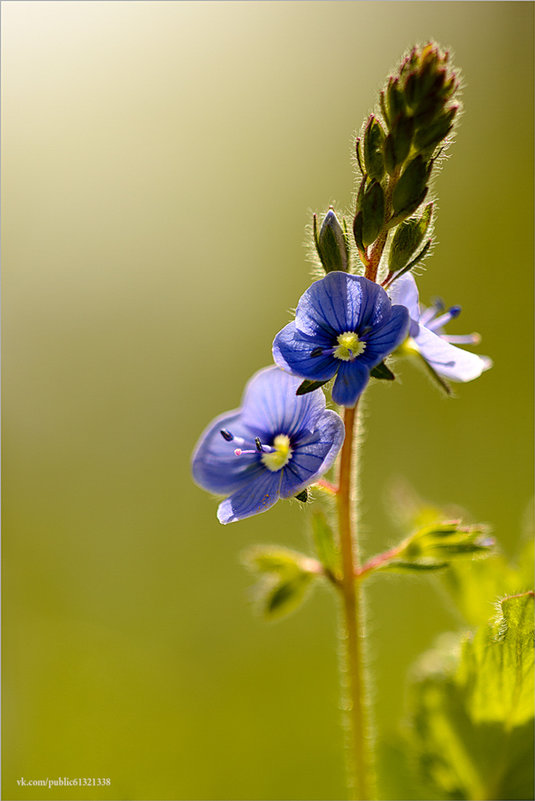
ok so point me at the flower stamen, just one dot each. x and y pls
(280, 454)
(349, 346)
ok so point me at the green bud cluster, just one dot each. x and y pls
(396, 154)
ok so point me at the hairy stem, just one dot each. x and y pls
(359, 757)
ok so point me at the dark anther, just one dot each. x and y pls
(226, 435)
(258, 444)
(316, 352)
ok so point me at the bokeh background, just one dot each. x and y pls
(161, 162)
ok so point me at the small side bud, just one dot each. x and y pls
(411, 188)
(394, 100)
(427, 139)
(408, 238)
(373, 213)
(331, 244)
(373, 149)
(402, 133)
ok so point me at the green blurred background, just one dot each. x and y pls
(161, 162)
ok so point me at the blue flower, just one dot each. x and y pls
(345, 325)
(270, 448)
(427, 337)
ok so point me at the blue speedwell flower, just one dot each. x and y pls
(345, 325)
(427, 336)
(270, 448)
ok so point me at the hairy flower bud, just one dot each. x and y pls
(374, 138)
(331, 244)
(427, 85)
(408, 238)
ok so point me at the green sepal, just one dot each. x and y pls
(402, 133)
(358, 154)
(357, 230)
(417, 259)
(411, 187)
(407, 239)
(373, 149)
(331, 244)
(373, 213)
(389, 154)
(394, 100)
(429, 137)
(325, 543)
(382, 102)
(309, 386)
(399, 566)
(383, 372)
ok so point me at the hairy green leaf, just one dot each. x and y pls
(471, 709)
(496, 669)
(285, 595)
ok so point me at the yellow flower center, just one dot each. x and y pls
(282, 454)
(349, 346)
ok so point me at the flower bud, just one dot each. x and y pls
(373, 213)
(373, 149)
(408, 238)
(411, 188)
(423, 91)
(331, 244)
(427, 139)
(398, 143)
(394, 101)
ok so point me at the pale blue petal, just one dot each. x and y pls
(291, 352)
(313, 458)
(271, 407)
(405, 292)
(351, 381)
(257, 496)
(448, 361)
(215, 466)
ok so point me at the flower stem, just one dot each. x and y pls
(358, 749)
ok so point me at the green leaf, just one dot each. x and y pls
(324, 541)
(383, 372)
(473, 586)
(496, 669)
(285, 578)
(399, 566)
(273, 559)
(471, 709)
(309, 386)
(285, 595)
